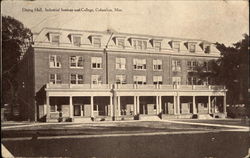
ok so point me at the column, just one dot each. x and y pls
(138, 104)
(160, 104)
(157, 105)
(70, 107)
(209, 104)
(174, 105)
(48, 107)
(178, 104)
(111, 106)
(119, 105)
(225, 105)
(135, 105)
(92, 106)
(194, 106)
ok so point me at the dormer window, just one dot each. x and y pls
(76, 40)
(140, 44)
(97, 42)
(176, 46)
(157, 45)
(121, 43)
(207, 49)
(191, 47)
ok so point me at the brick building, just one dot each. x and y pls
(82, 75)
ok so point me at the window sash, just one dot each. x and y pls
(139, 79)
(55, 39)
(97, 42)
(121, 43)
(54, 61)
(120, 79)
(176, 80)
(192, 48)
(96, 62)
(157, 46)
(139, 64)
(96, 79)
(120, 63)
(76, 41)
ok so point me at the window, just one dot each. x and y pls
(76, 79)
(120, 79)
(207, 49)
(54, 61)
(157, 46)
(139, 64)
(176, 46)
(192, 65)
(191, 47)
(191, 80)
(76, 62)
(55, 79)
(120, 43)
(176, 80)
(96, 62)
(76, 41)
(140, 44)
(97, 42)
(96, 79)
(52, 108)
(55, 39)
(176, 65)
(157, 65)
(157, 79)
(120, 63)
(139, 79)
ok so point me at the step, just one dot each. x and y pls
(149, 118)
(82, 119)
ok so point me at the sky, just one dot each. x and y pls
(214, 21)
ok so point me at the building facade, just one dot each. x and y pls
(75, 75)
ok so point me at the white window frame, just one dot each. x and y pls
(157, 79)
(96, 79)
(56, 63)
(52, 38)
(57, 79)
(78, 60)
(140, 79)
(97, 61)
(139, 64)
(176, 80)
(192, 80)
(120, 63)
(176, 65)
(78, 79)
(120, 79)
(157, 65)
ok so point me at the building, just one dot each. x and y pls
(75, 75)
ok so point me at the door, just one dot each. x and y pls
(77, 110)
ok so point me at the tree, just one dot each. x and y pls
(15, 40)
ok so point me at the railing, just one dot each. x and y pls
(134, 86)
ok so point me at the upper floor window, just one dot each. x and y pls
(54, 61)
(121, 43)
(55, 39)
(96, 62)
(191, 47)
(76, 79)
(97, 42)
(76, 62)
(140, 80)
(120, 63)
(176, 80)
(191, 80)
(139, 64)
(55, 79)
(176, 46)
(96, 79)
(76, 41)
(140, 44)
(207, 49)
(120, 79)
(192, 65)
(176, 65)
(157, 45)
(157, 79)
(157, 65)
